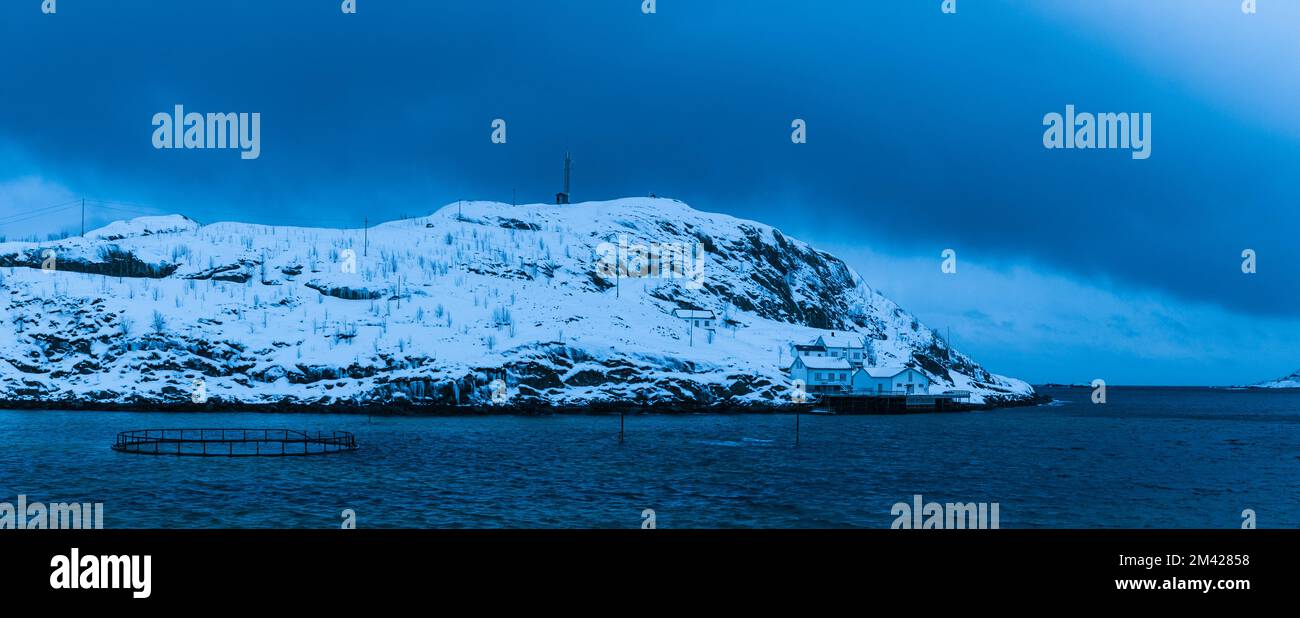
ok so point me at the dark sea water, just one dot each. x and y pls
(1148, 458)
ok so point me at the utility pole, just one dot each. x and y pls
(796, 426)
(365, 235)
(83, 216)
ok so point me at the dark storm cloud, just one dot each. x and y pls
(925, 131)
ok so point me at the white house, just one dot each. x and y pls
(890, 380)
(821, 373)
(849, 346)
(699, 318)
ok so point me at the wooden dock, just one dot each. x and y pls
(894, 403)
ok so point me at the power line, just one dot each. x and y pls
(129, 207)
(81, 204)
(30, 216)
(135, 212)
(152, 210)
(35, 211)
(127, 204)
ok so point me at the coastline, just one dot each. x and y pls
(407, 409)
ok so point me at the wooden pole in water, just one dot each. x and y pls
(796, 427)
(621, 415)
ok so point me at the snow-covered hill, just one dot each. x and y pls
(433, 310)
(1291, 381)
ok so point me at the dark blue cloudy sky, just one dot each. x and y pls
(924, 133)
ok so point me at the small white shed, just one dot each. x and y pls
(698, 318)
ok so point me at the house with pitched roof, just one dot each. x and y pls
(807, 349)
(822, 374)
(889, 380)
(848, 346)
(700, 318)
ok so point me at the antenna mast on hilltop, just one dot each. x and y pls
(563, 197)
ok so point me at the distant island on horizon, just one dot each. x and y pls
(1272, 384)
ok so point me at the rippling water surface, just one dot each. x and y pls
(1148, 458)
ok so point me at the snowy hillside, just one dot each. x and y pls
(433, 310)
(1291, 381)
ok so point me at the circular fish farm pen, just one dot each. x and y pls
(234, 442)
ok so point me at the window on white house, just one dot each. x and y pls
(819, 376)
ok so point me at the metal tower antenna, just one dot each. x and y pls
(568, 167)
(563, 197)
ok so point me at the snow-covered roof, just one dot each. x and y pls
(839, 340)
(883, 372)
(688, 314)
(824, 362)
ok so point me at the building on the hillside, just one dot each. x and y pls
(822, 374)
(811, 349)
(698, 318)
(849, 346)
(889, 380)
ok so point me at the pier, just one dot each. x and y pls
(894, 403)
